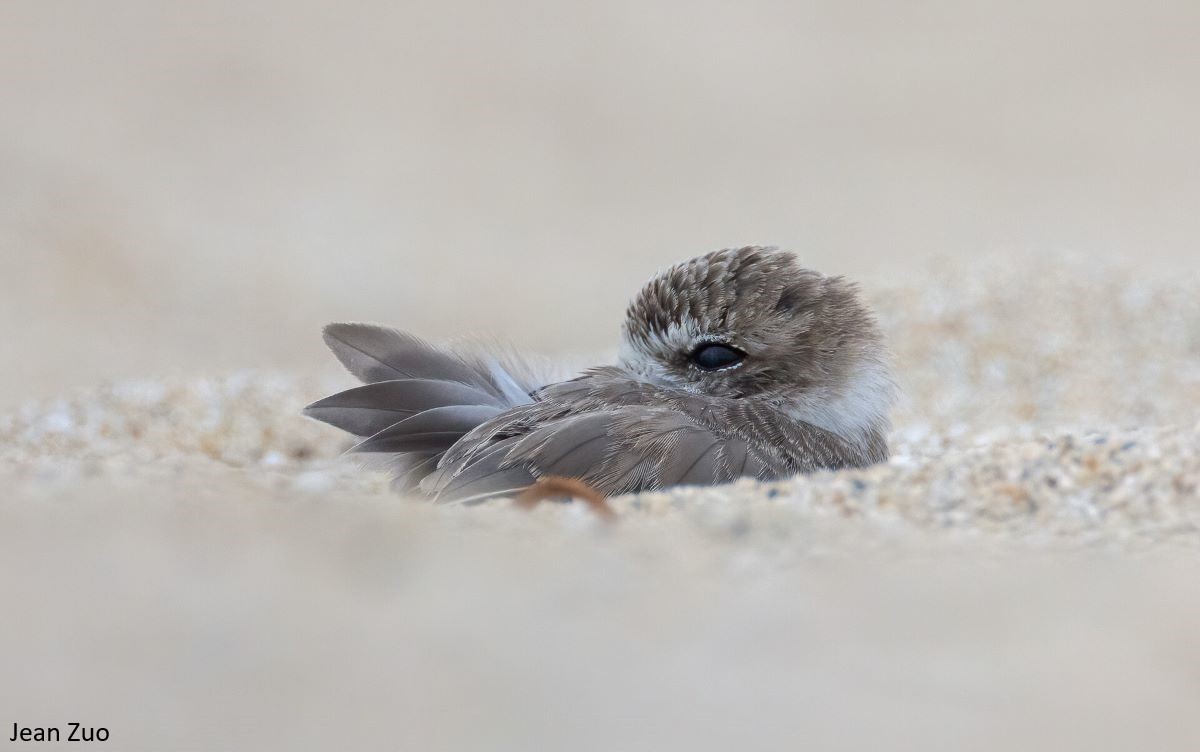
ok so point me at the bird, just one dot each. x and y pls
(740, 363)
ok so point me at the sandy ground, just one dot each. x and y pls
(189, 191)
(190, 560)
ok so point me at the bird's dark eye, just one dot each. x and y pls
(714, 357)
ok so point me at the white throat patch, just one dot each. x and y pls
(853, 410)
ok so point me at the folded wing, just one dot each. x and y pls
(616, 450)
(468, 427)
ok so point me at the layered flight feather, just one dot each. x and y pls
(468, 427)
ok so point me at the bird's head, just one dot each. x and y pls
(752, 323)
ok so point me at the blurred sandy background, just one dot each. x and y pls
(188, 191)
(201, 185)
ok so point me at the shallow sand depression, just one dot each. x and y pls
(188, 558)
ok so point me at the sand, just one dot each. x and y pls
(189, 563)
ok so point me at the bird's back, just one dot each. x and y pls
(463, 427)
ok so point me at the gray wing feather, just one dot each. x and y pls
(572, 447)
(438, 427)
(429, 441)
(377, 353)
(735, 458)
(487, 475)
(506, 386)
(408, 469)
(758, 466)
(616, 450)
(367, 410)
(703, 470)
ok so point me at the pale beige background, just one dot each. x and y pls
(199, 186)
(188, 191)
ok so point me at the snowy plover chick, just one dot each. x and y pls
(739, 363)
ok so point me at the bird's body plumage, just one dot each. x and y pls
(799, 383)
